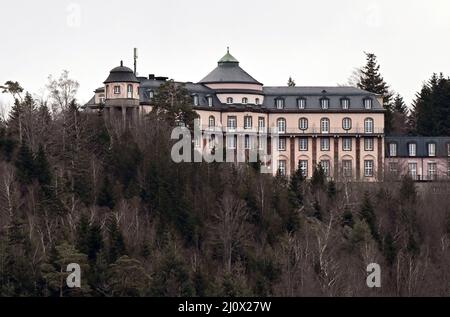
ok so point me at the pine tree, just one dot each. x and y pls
(318, 179)
(296, 189)
(42, 167)
(372, 81)
(368, 215)
(25, 168)
(106, 197)
(116, 243)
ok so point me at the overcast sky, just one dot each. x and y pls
(315, 42)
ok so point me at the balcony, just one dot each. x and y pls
(295, 131)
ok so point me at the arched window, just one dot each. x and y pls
(303, 124)
(229, 100)
(130, 91)
(347, 124)
(281, 124)
(368, 125)
(257, 101)
(325, 125)
(244, 101)
(212, 122)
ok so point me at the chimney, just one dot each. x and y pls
(151, 77)
(121, 63)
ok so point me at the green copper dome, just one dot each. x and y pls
(228, 58)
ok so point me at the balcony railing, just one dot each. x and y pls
(296, 131)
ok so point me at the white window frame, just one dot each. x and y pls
(432, 149)
(347, 144)
(280, 103)
(326, 167)
(303, 164)
(325, 103)
(345, 103)
(325, 144)
(230, 100)
(282, 167)
(231, 142)
(368, 168)
(393, 149)
(347, 124)
(303, 144)
(116, 90)
(412, 149)
(347, 171)
(210, 101)
(432, 172)
(281, 125)
(412, 170)
(244, 100)
(196, 100)
(301, 103)
(230, 125)
(261, 124)
(282, 144)
(325, 125)
(368, 103)
(247, 142)
(369, 144)
(257, 101)
(303, 124)
(248, 122)
(368, 126)
(212, 122)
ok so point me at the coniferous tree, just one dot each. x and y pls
(372, 81)
(116, 243)
(42, 167)
(25, 168)
(368, 215)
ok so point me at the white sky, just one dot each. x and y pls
(316, 42)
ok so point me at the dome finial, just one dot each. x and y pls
(228, 50)
(121, 63)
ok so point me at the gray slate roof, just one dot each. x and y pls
(121, 74)
(422, 145)
(313, 95)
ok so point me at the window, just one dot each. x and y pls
(392, 149)
(248, 122)
(325, 144)
(198, 142)
(325, 167)
(368, 168)
(262, 143)
(412, 170)
(282, 167)
(196, 100)
(257, 101)
(368, 125)
(210, 101)
(117, 90)
(393, 168)
(232, 123)
(261, 124)
(431, 149)
(229, 100)
(212, 122)
(130, 91)
(368, 144)
(248, 142)
(279, 103)
(325, 126)
(448, 149)
(303, 124)
(347, 144)
(432, 171)
(231, 142)
(347, 124)
(412, 149)
(368, 104)
(347, 168)
(102, 99)
(325, 103)
(281, 124)
(301, 103)
(282, 144)
(244, 101)
(345, 103)
(304, 168)
(303, 144)
(150, 94)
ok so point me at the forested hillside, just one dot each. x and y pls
(76, 190)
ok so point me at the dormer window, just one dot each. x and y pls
(412, 149)
(244, 101)
(301, 103)
(150, 94)
(117, 90)
(325, 103)
(368, 103)
(345, 103)
(257, 101)
(279, 103)
(210, 101)
(196, 100)
(229, 100)
(392, 149)
(432, 149)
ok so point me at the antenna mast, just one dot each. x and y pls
(135, 60)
